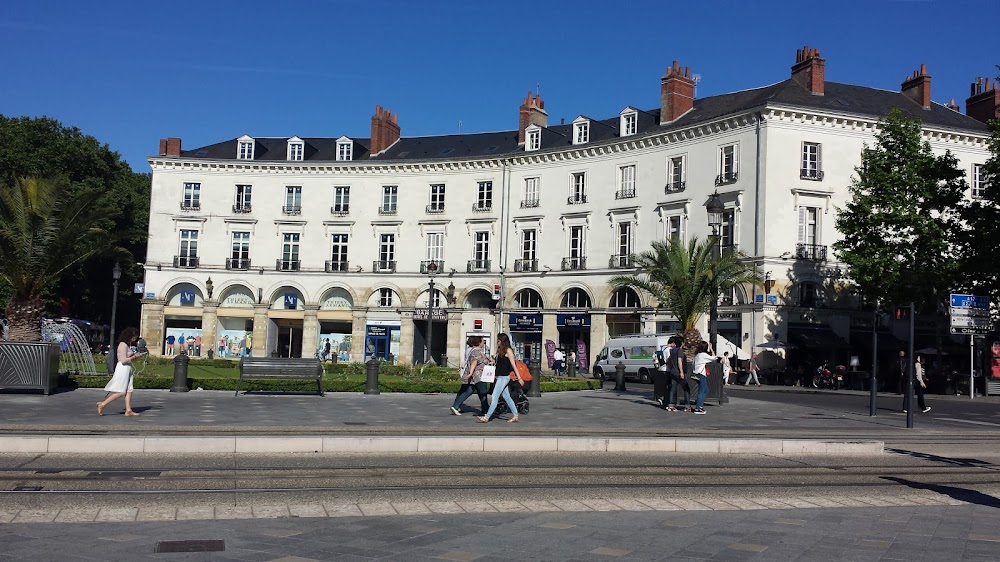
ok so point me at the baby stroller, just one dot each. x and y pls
(517, 391)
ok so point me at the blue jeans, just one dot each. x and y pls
(677, 386)
(500, 388)
(702, 391)
(466, 391)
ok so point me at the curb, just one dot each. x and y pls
(468, 444)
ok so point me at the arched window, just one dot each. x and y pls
(575, 298)
(809, 294)
(625, 297)
(480, 298)
(527, 298)
(337, 299)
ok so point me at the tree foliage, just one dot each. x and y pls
(980, 237)
(900, 229)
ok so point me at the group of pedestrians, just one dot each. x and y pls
(674, 379)
(476, 361)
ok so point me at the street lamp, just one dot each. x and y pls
(116, 273)
(432, 268)
(715, 210)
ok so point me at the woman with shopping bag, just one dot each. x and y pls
(504, 373)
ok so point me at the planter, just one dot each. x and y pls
(29, 365)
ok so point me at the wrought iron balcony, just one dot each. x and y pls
(238, 263)
(530, 203)
(336, 265)
(726, 178)
(287, 265)
(387, 210)
(435, 208)
(188, 206)
(576, 199)
(425, 266)
(340, 210)
(526, 265)
(675, 187)
(478, 266)
(621, 261)
(384, 266)
(482, 207)
(241, 208)
(812, 252)
(292, 209)
(569, 264)
(625, 194)
(814, 175)
(190, 262)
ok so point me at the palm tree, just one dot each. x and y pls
(46, 226)
(683, 278)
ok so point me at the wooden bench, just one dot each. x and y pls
(280, 368)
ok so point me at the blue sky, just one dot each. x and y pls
(132, 72)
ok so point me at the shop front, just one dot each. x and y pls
(382, 340)
(182, 315)
(335, 326)
(526, 335)
(234, 332)
(439, 335)
(574, 335)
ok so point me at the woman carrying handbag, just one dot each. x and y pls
(475, 361)
(504, 372)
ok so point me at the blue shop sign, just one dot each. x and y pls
(573, 320)
(525, 322)
(187, 297)
(291, 301)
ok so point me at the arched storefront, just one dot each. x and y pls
(234, 332)
(383, 325)
(623, 313)
(182, 320)
(525, 324)
(335, 325)
(573, 325)
(438, 326)
(284, 323)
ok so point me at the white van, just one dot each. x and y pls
(636, 352)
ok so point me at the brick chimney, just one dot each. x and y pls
(676, 93)
(385, 130)
(809, 70)
(918, 87)
(984, 100)
(531, 112)
(170, 146)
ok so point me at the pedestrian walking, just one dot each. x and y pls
(661, 374)
(677, 377)
(919, 385)
(753, 371)
(505, 372)
(702, 358)
(472, 372)
(557, 360)
(121, 382)
(727, 368)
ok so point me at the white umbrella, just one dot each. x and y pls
(725, 345)
(775, 344)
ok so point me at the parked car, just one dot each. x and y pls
(636, 352)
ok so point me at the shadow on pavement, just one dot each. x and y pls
(946, 460)
(961, 494)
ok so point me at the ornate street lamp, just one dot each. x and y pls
(715, 209)
(432, 268)
(208, 287)
(116, 273)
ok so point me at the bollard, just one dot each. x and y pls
(620, 377)
(371, 370)
(211, 353)
(571, 369)
(180, 373)
(534, 388)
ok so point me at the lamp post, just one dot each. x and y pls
(715, 210)
(431, 271)
(116, 273)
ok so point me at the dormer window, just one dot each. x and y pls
(629, 122)
(245, 148)
(296, 149)
(533, 138)
(581, 131)
(345, 149)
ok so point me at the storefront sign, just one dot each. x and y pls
(438, 314)
(772, 299)
(187, 297)
(758, 299)
(291, 301)
(238, 299)
(525, 322)
(573, 320)
(377, 331)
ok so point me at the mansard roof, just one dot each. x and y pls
(843, 99)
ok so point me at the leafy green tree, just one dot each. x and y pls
(980, 268)
(683, 278)
(46, 227)
(902, 225)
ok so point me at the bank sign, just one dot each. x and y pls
(526, 323)
(573, 320)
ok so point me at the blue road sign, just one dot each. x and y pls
(969, 301)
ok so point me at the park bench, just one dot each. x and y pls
(252, 368)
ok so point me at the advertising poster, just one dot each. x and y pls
(182, 340)
(336, 345)
(581, 355)
(550, 349)
(234, 344)
(394, 346)
(995, 360)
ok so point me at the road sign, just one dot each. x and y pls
(970, 315)
(970, 331)
(971, 312)
(970, 301)
(969, 322)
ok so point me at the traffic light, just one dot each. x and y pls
(902, 313)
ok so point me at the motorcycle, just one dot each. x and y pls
(827, 378)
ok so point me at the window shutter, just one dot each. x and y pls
(819, 166)
(819, 225)
(736, 158)
(803, 220)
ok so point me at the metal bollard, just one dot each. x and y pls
(180, 373)
(371, 371)
(571, 369)
(535, 389)
(620, 377)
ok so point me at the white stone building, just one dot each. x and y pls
(316, 238)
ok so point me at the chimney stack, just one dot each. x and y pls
(809, 70)
(531, 112)
(918, 87)
(385, 130)
(984, 100)
(170, 146)
(676, 93)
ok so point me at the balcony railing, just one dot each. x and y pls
(384, 266)
(287, 265)
(238, 263)
(478, 266)
(435, 209)
(336, 265)
(812, 252)
(387, 210)
(187, 206)
(571, 263)
(526, 265)
(292, 209)
(621, 261)
(576, 199)
(482, 207)
(240, 208)
(340, 210)
(425, 266)
(814, 175)
(186, 261)
(625, 194)
(675, 187)
(726, 178)
(530, 203)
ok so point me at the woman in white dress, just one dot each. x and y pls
(121, 382)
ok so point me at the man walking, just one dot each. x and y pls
(753, 371)
(919, 384)
(676, 376)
